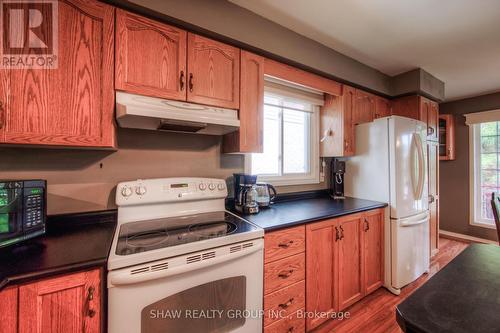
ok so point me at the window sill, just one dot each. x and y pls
(483, 225)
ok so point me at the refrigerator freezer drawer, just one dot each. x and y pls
(409, 249)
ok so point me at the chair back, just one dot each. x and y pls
(495, 206)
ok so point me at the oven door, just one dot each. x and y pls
(217, 290)
(11, 216)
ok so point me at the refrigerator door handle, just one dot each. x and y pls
(421, 165)
(413, 169)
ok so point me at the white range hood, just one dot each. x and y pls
(135, 111)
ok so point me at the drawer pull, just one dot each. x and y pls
(285, 245)
(287, 304)
(91, 313)
(285, 274)
(367, 225)
(291, 329)
(181, 81)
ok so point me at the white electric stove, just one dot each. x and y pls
(180, 262)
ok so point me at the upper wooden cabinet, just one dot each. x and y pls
(72, 105)
(429, 114)
(446, 137)
(364, 107)
(69, 303)
(407, 106)
(213, 72)
(382, 107)
(337, 127)
(150, 57)
(249, 137)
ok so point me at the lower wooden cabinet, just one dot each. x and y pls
(69, 303)
(344, 261)
(433, 190)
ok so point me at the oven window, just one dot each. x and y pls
(213, 307)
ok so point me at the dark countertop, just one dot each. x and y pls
(295, 210)
(462, 297)
(72, 242)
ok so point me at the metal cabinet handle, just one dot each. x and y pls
(90, 296)
(181, 81)
(337, 234)
(285, 245)
(286, 274)
(341, 233)
(2, 115)
(91, 313)
(191, 82)
(367, 225)
(287, 304)
(430, 130)
(431, 198)
(291, 329)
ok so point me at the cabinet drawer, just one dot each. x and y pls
(284, 272)
(290, 324)
(284, 302)
(284, 243)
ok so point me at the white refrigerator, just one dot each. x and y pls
(391, 166)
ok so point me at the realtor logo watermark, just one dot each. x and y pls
(29, 34)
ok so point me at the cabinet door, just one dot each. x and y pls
(321, 275)
(250, 137)
(373, 239)
(382, 107)
(150, 57)
(348, 102)
(446, 137)
(69, 303)
(8, 310)
(350, 265)
(364, 107)
(433, 172)
(433, 121)
(72, 105)
(214, 72)
(407, 106)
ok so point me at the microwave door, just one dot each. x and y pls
(11, 216)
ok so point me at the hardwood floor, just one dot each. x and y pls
(376, 313)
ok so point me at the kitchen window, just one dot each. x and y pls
(484, 138)
(291, 137)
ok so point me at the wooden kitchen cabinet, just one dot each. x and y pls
(364, 107)
(72, 105)
(373, 240)
(407, 106)
(337, 126)
(213, 72)
(429, 114)
(446, 137)
(249, 138)
(150, 57)
(321, 276)
(433, 188)
(8, 310)
(382, 107)
(69, 303)
(350, 261)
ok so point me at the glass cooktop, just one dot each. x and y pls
(141, 236)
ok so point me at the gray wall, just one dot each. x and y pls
(454, 175)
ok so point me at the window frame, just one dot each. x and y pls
(313, 176)
(474, 178)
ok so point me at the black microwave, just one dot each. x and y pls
(23, 207)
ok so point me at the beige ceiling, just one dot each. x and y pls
(458, 41)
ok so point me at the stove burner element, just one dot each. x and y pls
(147, 238)
(211, 230)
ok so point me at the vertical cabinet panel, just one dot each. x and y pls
(373, 234)
(321, 275)
(433, 172)
(4, 100)
(446, 137)
(429, 114)
(8, 310)
(249, 138)
(364, 107)
(150, 57)
(214, 72)
(72, 105)
(348, 102)
(382, 107)
(350, 265)
(69, 303)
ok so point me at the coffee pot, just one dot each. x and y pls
(266, 193)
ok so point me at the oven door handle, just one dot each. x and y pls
(125, 277)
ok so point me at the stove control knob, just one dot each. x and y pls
(140, 190)
(221, 186)
(126, 191)
(211, 186)
(202, 186)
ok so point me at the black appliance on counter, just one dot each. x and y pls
(23, 210)
(337, 168)
(245, 193)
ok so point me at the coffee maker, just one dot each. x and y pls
(245, 193)
(337, 178)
